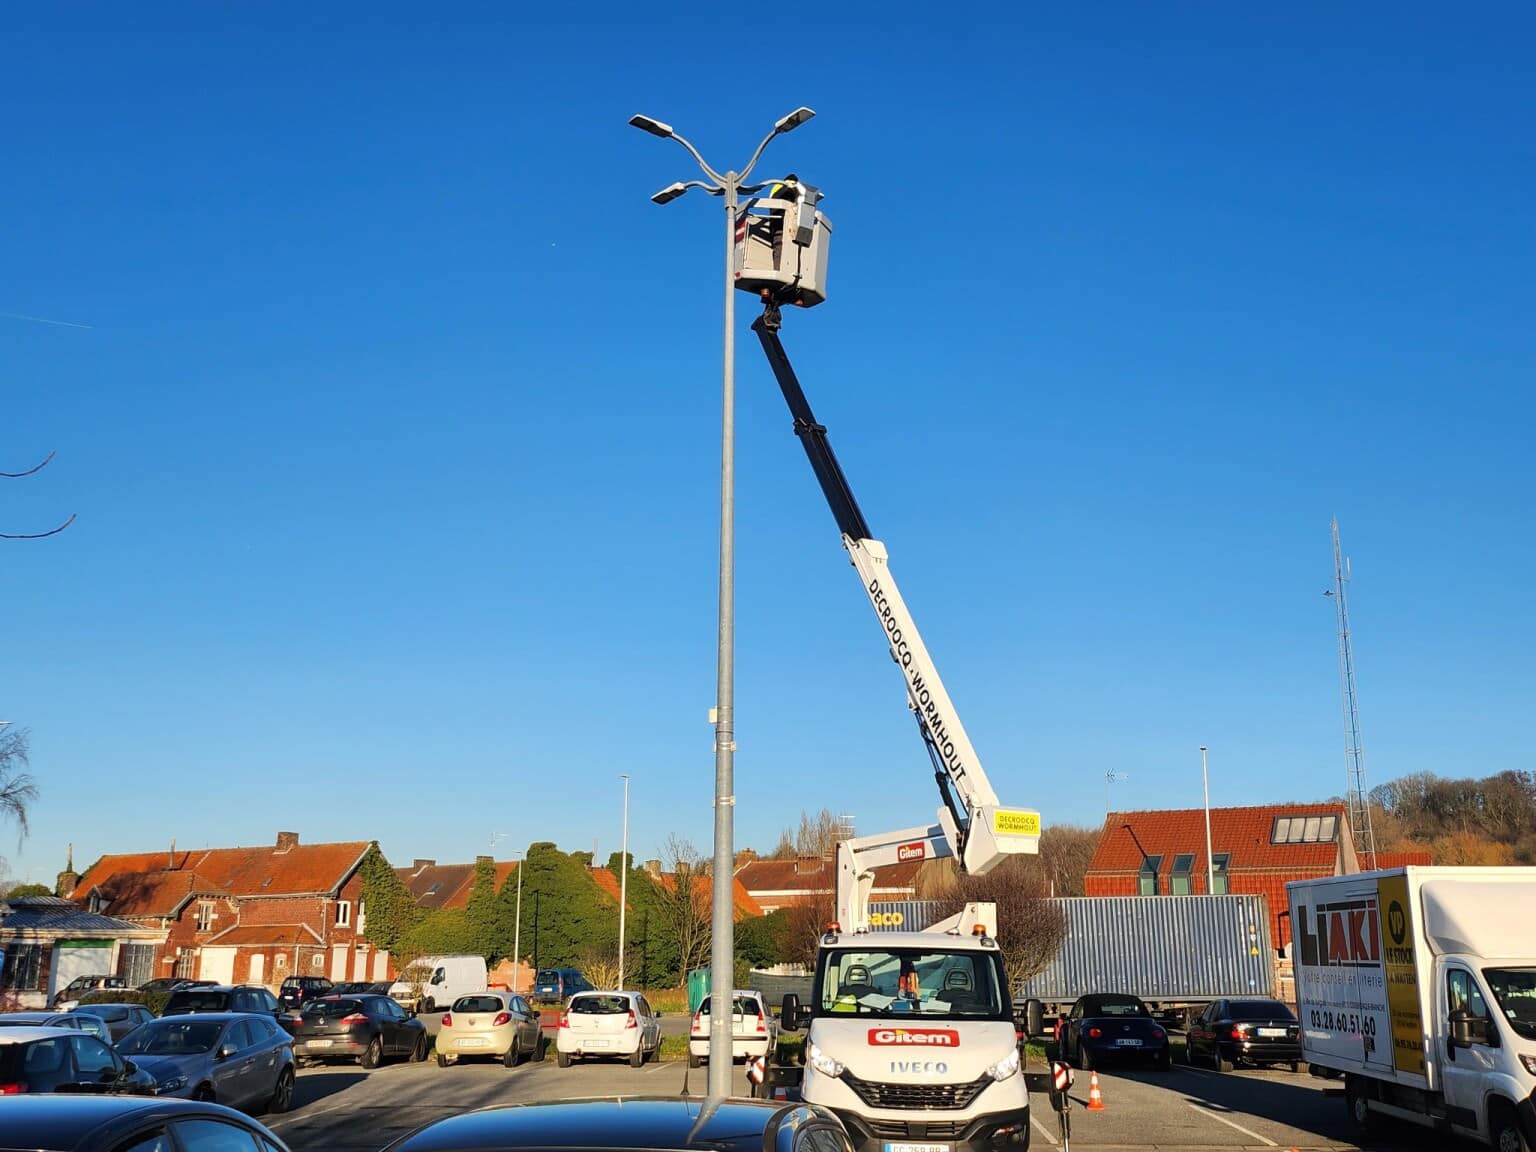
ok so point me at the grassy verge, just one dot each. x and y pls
(672, 1001)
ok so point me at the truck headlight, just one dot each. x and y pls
(1529, 1062)
(822, 1062)
(174, 1084)
(1006, 1067)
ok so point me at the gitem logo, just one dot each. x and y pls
(914, 851)
(1397, 922)
(936, 1037)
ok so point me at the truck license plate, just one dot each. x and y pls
(1128, 1043)
(890, 1147)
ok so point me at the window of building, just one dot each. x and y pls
(204, 915)
(1178, 881)
(1219, 863)
(343, 913)
(23, 969)
(1146, 880)
(138, 963)
(362, 917)
(1304, 829)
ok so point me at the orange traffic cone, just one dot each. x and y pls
(1095, 1099)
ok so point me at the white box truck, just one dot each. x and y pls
(1419, 986)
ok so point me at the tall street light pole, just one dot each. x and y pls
(1210, 864)
(517, 926)
(722, 923)
(623, 879)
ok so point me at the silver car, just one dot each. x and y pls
(235, 1058)
(498, 1024)
(80, 1020)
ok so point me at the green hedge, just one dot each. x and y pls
(154, 1001)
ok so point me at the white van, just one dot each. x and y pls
(429, 981)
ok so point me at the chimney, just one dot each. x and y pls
(491, 860)
(418, 864)
(287, 841)
(653, 868)
(170, 864)
(69, 878)
(745, 857)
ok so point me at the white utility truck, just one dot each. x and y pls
(911, 1034)
(1419, 986)
(430, 981)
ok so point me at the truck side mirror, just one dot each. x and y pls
(789, 1014)
(1034, 1018)
(1467, 1030)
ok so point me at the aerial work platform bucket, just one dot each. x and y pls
(781, 245)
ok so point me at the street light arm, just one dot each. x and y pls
(672, 191)
(786, 124)
(694, 152)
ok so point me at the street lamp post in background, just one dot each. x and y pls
(623, 879)
(1210, 864)
(728, 185)
(517, 926)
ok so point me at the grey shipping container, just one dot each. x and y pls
(1169, 950)
(903, 915)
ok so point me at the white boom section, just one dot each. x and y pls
(991, 831)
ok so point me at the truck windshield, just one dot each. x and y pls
(1515, 991)
(903, 982)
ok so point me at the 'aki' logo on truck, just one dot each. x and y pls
(937, 1037)
(913, 851)
(1345, 934)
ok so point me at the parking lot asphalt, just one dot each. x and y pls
(340, 1108)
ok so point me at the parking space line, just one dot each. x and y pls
(1191, 1071)
(1205, 1111)
(1041, 1128)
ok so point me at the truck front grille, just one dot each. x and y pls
(899, 1130)
(915, 1097)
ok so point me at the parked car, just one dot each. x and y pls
(80, 985)
(120, 1019)
(171, 983)
(37, 1059)
(124, 1123)
(368, 1029)
(498, 1024)
(429, 981)
(1231, 1032)
(229, 998)
(350, 988)
(670, 1123)
(1113, 1026)
(606, 1024)
(753, 1031)
(83, 1020)
(555, 985)
(233, 1058)
(296, 991)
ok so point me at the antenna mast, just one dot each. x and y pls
(1357, 797)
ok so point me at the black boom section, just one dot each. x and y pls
(813, 436)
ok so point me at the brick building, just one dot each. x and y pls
(1255, 851)
(46, 942)
(242, 915)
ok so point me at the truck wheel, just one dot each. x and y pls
(1504, 1128)
(1362, 1120)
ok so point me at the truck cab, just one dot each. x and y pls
(911, 1042)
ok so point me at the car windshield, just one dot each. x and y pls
(477, 1004)
(1260, 1010)
(172, 1038)
(600, 1005)
(904, 982)
(1114, 1006)
(1515, 991)
(331, 1007)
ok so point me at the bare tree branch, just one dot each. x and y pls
(18, 791)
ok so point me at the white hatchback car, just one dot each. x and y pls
(607, 1024)
(753, 1031)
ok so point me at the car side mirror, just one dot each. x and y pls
(130, 1068)
(226, 1051)
(789, 1013)
(1034, 1018)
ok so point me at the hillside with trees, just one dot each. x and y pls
(1491, 820)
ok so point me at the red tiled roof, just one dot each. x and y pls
(745, 905)
(150, 880)
(605, 880)
(265, 936)
(1400, 859)
(460, 896)
(1242, 832)
(448, 885)
(809, 874)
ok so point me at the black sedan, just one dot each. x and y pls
(1230, 1032)
(105, 1124)
(368, 1029)
(669, 1123)
(1113, 1026)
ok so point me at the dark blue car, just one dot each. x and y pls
(1113, 1027)
(556, 985)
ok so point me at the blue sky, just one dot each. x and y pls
(389, 407)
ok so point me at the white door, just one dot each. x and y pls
(381, 965)
(338, 963)
(258, 967)
(217, 964)
(79, 958)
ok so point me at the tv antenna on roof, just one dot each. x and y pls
(1112, 777)
(32, 471)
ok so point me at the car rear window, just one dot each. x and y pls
(600, 1005)
(744, 1006)
(197, 1002)
(1260, 1010)
(1115, 1006)
(477, 1004)
(332, 1008)
(547, 976)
